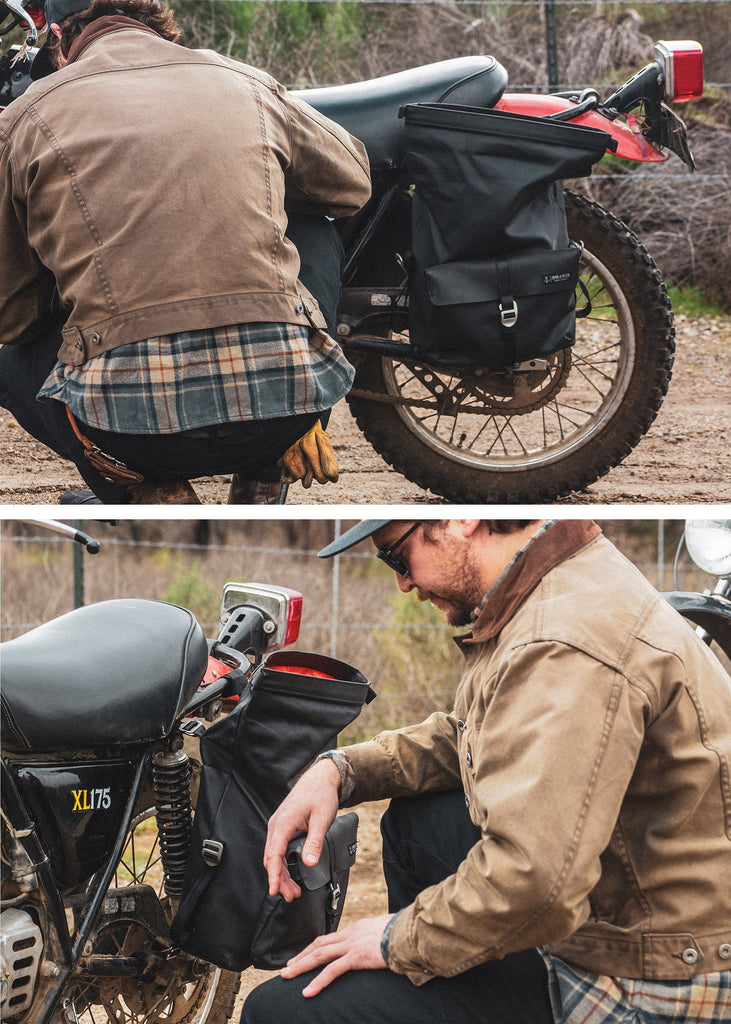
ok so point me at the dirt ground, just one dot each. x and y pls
(366, 896)
(682, 459)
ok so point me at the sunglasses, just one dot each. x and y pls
(394, 561)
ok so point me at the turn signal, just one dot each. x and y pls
(682, 64)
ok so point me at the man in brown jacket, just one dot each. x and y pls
(559, 847)
(153, 199)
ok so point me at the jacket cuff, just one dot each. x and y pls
(372, 770)
(401, 949)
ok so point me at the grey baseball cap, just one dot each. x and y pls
(364, 529)
(55, 11)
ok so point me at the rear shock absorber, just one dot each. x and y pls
(171, 781)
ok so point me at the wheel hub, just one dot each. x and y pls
(521, 392)
(154, 995)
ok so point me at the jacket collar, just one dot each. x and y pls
(101, 27)
(555, 541)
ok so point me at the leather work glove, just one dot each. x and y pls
(310, 458)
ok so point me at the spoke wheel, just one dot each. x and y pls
(538, 433)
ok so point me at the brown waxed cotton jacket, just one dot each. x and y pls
(150, 179)
(592, 737)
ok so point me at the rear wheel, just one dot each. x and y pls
(534, 435)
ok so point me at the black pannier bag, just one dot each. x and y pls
(292, 709)
(493, 276)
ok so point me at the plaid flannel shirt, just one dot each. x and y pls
(197, 378)
(578, 997)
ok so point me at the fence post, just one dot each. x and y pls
(549, 8)
(336, 598)
(78, 569)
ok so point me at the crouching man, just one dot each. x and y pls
(557, 848)
(159, 313)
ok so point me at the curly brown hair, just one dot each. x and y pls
(154, 15)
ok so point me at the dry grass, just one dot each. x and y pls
(404, 651)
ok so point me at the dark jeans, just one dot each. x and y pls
(250, 448)
(424, 840)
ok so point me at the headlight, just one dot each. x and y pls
(709, 544)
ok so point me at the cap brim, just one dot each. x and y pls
(364, 529)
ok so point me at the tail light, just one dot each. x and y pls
(282, 606)
(682, 64)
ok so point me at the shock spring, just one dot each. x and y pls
(171, 781)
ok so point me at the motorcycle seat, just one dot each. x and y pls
(112, 673)
(369, 110)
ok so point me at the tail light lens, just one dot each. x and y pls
(682, 64)
(294, 618)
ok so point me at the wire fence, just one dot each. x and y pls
(351, 610)
(540, 4)
(661, 567)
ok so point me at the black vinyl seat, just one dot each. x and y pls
(369, 110)
(116, 672)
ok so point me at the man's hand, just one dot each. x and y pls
(355, 948)
(310, 807)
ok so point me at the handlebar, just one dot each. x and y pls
(90, 543)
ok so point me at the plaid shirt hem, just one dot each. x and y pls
(579, 997)
(183, 381)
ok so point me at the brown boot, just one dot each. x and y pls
(254, 492)
(163, 492)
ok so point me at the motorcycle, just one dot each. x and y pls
(98, 796)
(535, 430)
(98, 799)
(529, 430)
(708, 543)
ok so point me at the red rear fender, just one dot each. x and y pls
(630, 144)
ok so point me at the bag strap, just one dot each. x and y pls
(181, 929)
(334, 886)
(211, 849)
(508, 310)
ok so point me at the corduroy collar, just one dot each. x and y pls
(552, 544)
(100, 27)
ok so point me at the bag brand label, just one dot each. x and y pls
(556, 278)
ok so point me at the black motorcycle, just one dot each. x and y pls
(708, 544)
(538, 427)
(102, 713)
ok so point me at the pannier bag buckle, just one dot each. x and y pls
(212, 851)
(509, 314)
